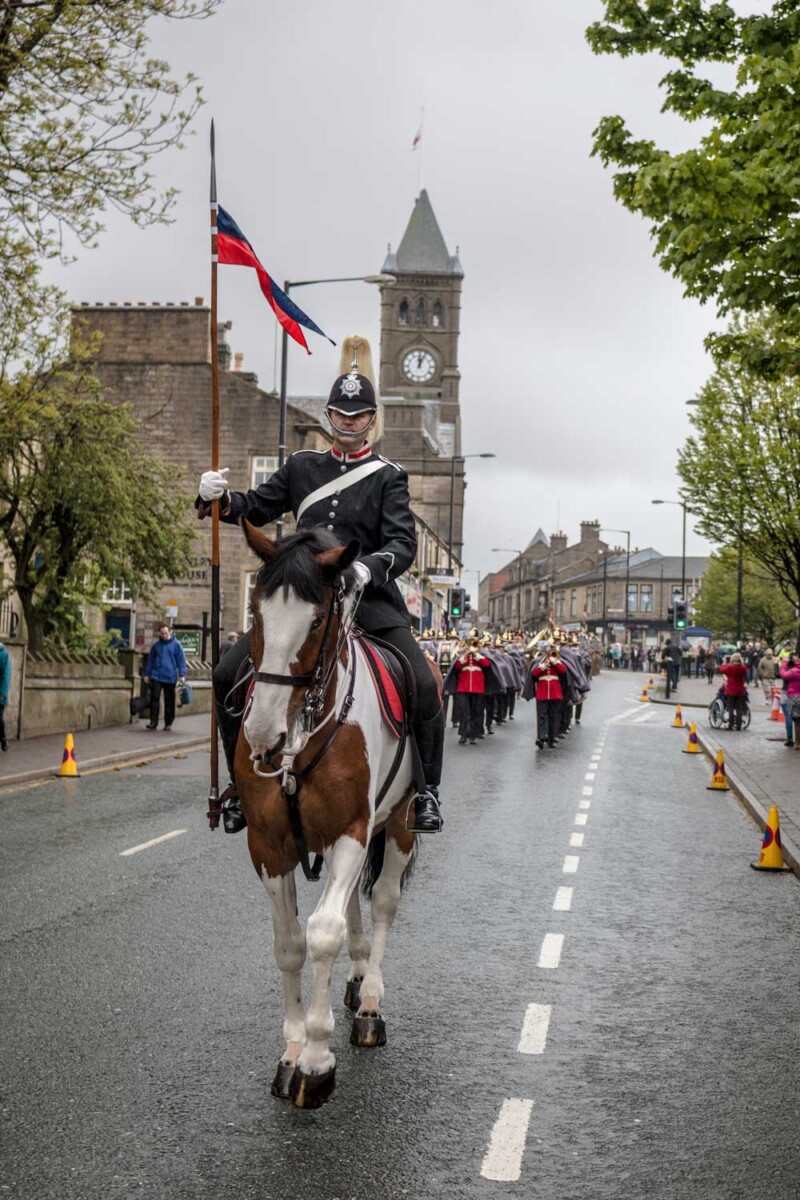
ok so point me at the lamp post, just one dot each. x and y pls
(519, 554)
(627, 533)
(456, 458)
(682, 505)
(388, 280)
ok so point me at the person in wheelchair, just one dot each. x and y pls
(353, 493)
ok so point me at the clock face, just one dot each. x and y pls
(419, 366)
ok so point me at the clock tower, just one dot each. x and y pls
(419, 376)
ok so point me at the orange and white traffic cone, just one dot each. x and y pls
(69, 767)
(645, 699)
(771, 856)
(692, 746)
(650, 684)
(719, 780)
(679, 722)
(775, 713)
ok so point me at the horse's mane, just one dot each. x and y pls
(295, 567)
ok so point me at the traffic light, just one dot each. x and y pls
(457, 602)
(680, 614)
(671, 615)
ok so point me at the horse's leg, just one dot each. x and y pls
(368, 1025)
(358, 949)
(290, 954)
(315, 1074)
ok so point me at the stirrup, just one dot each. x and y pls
(429, 821)
(233, 819)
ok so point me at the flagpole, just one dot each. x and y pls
(213, 793)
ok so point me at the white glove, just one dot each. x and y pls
(363, 576)
(213, 484)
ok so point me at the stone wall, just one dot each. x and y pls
(17, 651)
(72, 693)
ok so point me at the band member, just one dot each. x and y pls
(354, 493)
(548, 674)
(470, 667)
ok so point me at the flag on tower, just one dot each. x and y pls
(418, 134)
(233, 248)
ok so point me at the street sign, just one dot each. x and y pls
(443, 580)
(190, 640)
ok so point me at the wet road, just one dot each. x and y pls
(584, 964)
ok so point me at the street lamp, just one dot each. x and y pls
(387, 280)
(456, 458)
(519, 554)
(627, 533)
(683, 548)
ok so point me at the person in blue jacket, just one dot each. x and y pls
(5, 689)
(166, 667)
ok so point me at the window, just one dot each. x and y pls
(249, 584)
(421, 313)
(646, 598)
(118, 593)
(633, 597)
(264, 467)
(528, 599)
(437, 320)
(402, 317)
(559, 605)
(573, 602)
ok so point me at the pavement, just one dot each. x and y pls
(38, 758)
(761, 770)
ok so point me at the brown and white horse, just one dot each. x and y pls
(313, 737)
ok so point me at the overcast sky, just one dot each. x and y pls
(577, 354)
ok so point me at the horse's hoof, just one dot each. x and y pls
(311, 1091)
(368, 1031)
(351, 994)
(282, 1082)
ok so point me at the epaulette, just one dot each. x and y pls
(389, 463)
(309, 451)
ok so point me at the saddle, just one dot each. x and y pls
(393, 681)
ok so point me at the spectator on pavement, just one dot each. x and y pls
(711, 663)
(5, 690)
(735, 673)
(790, 700)
(767, 673)
(228, 644)
(671, 661)
(166, 667)
(701, 661)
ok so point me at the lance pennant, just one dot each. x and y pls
(233, 248)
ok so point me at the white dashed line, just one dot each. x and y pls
(550, 953)
(647, 717)
(584, 804)
(586, 791)
(563, 900)
(570, 864)
(503, 1159)
(534, 1029)
(581, 818)
(576, 839)
(589, 776)
(165, 837)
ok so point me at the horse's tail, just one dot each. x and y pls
(371, 871)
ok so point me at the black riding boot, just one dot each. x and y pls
(429, 736)
(233, 820)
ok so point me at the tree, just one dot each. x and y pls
(82, 111)
(81, 503)
(723, 214)
(741, 468)
(766, 613)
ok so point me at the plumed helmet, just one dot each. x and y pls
(354, 390)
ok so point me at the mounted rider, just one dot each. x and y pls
(354, 493)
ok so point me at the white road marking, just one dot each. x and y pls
(570, 864)
(165, 837)
(534, 1029)
(594, 763)
(584, 804)
(598, 749)
(503, 1159)
(576, 839)
(563, 900)
(581, 818)
(550, 953)
(587, 791)
(648, 716)
(589, 776)
(621, 716)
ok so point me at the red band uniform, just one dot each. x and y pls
(549, 695)
(470, 690)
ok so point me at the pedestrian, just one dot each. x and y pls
(790, 673)
(549, 694)
(701, 661)
(711, 663)
(228, 644)
(165, 667)
(471, 668)
(767, 673)
(671, 661)
(5, 691)
(735, 673)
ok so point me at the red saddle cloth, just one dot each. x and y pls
(389, 698)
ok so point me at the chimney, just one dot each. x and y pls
(238, 359)
(590, 531)
(198, 301)
(223, 349)
(558, 542)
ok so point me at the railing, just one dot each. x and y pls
(9, 620)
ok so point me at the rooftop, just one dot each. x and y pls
(423, 250)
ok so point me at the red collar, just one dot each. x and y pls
(357, 456)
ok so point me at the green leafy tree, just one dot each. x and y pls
(767, 615)
(723, 214)
(741, 470)
(81, 503)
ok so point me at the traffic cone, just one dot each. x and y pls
(69, 767)
(771, 856)
(719, 780)
(679, 722)
(651, 684)
(644, 696)
(692, 746)
(775, 713)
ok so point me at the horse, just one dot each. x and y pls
(317, 768)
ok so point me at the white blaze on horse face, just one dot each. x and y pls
(285, 622)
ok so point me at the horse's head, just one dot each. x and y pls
(294, 618)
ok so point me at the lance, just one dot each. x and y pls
(214, 806)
